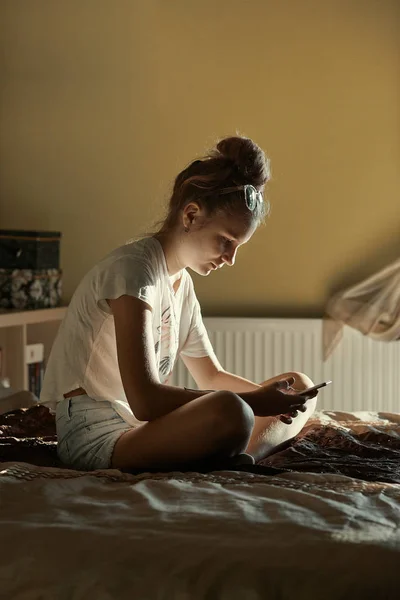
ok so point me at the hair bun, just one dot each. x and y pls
(247, 158)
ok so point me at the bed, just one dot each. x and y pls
(319, 519)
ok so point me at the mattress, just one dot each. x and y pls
(287, 528)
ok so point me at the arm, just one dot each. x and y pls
(267, 399)
(147, 397)
(209, 374)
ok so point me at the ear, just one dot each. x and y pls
(191, 213)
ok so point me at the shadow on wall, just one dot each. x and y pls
(374, 262)
(266, 311)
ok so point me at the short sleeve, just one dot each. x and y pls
(197, 343)
(126, 275)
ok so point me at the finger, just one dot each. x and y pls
(298, 407)
(286, 383)
(282, 384)
(286, 419)
(292, 402)
(285, 387)
(310, 395)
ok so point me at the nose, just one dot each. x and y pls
(230, 256)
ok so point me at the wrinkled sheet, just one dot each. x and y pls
(72, 535)
(66, 534)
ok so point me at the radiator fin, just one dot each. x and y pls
(365, 373)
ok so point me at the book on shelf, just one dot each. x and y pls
(34, 360)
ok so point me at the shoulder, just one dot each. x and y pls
(140, 254)
(141, 248)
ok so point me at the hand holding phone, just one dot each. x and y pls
(314, 388)
(288, 417)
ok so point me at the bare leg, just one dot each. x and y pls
(217, 425)
(269, 433)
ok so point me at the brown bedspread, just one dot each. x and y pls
(368, 450)
(366, 447)
(29, 435)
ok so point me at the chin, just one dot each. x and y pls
(201, 270)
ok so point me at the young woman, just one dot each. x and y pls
(136, 311)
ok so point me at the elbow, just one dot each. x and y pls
(139, 409)
(142, 416)
(140, 412)
(141, 405)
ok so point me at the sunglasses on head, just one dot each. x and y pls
(251, 194)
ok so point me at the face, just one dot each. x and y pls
(213, 243)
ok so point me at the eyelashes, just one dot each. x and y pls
(226, 241)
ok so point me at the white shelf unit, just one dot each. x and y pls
(19, 328)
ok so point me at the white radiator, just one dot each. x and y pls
(365, 373)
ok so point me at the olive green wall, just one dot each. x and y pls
(104, 101)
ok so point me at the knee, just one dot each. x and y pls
(301, 380)
(234, 417)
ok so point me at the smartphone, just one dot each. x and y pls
(314, 387)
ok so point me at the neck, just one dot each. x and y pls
(170, 244)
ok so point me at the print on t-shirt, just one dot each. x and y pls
(164, 330)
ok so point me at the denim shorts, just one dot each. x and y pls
(87, 431)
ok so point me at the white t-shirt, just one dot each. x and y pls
(84, 353)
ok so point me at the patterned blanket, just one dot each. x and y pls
(365, 446)
(364, 449)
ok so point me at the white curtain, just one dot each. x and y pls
(372, 307)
